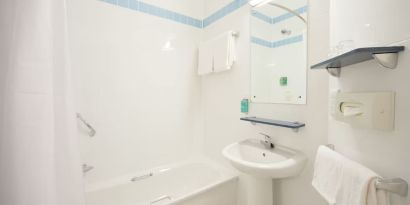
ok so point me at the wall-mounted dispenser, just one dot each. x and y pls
(374, 110)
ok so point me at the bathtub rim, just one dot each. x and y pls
(227, 175)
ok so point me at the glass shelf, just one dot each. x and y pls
(287, 124)
(386, 56)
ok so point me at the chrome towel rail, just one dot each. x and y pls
(91, 130)
(395, 185)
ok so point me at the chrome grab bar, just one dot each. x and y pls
(138, 178)
(160, 199)
(91, 131)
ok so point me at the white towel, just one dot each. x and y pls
(217, 54)
(344, 182)
(355, 184)
(376, 197)
(224, 51)
(205, 58)
(327, 175)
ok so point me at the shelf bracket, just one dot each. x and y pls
(335, 72)
(387, 60)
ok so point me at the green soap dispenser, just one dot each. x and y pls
(245, 105)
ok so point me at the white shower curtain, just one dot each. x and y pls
(39, 157)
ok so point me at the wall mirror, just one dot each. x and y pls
(278, 51)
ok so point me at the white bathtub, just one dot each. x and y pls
(197, 182)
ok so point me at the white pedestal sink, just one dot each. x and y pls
(263, 164)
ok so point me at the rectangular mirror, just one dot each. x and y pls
(279, 52)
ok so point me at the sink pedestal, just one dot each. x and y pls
(259, 190)
(262, 165)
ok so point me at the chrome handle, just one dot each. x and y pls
(91, 131)
(87, 168)
(142, 177)
(160, 199)
(265, 135)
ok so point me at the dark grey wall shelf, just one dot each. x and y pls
(386, 56)
(287, 124)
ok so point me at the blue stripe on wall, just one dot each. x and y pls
(231, 7)
(276, 44)
(198, 23)
(157, 11)
(261, 42)
(286, 16)
(273, 20)
(262, 17)
(177, 17)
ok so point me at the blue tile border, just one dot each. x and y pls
(157, 11)
(198, 23)
(261, 42)
(276, 44)
(231, 7)
(283, 17)
(177, 17)
(262, 17)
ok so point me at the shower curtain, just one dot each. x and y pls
(39, 156)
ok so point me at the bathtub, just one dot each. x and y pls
(194, 182)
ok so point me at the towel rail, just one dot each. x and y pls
(395, 185)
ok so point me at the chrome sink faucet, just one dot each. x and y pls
(267, 142)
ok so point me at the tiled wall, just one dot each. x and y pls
(279, 43)
(157, 11)
(277, 19)
(217, 15)
(135, 82)
(178, 17)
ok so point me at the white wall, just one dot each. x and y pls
(6, 15)
(385, 23)
(221, 95)
(142, 100)
(6, 28)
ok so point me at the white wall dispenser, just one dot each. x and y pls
(373, 110)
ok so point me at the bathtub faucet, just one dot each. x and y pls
(268, 143)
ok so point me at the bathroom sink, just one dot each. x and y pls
(252, 157)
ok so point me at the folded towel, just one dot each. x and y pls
(344, 182)
(327, 175)
(205, 58)
(224, 51)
